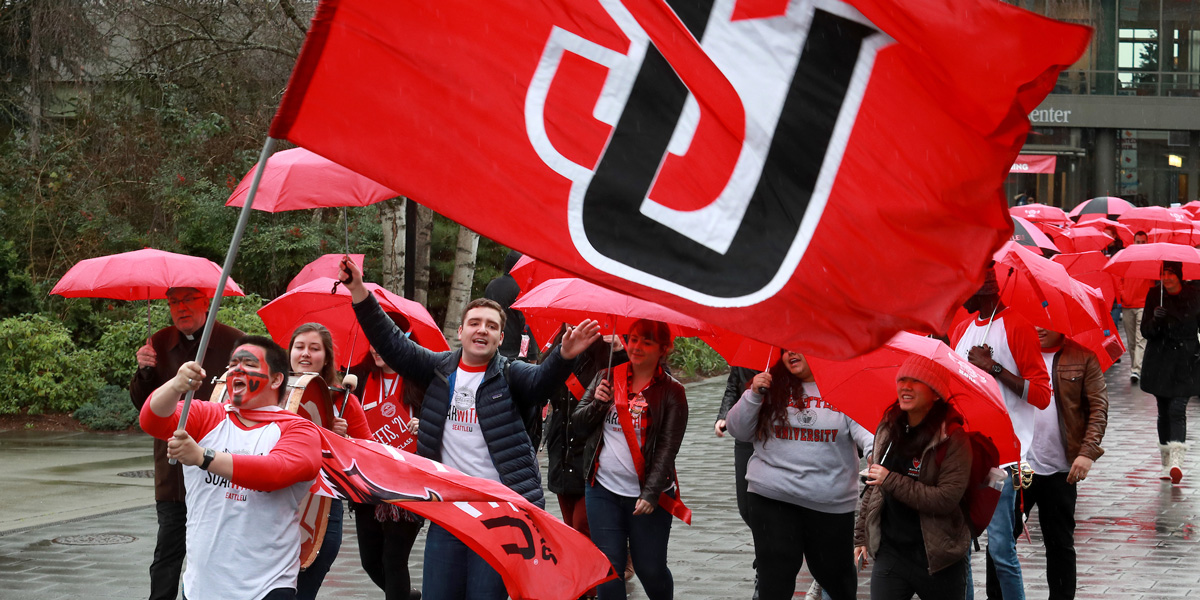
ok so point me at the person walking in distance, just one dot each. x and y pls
(158, 361)
(1133, 301)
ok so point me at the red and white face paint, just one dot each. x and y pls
(248, 379)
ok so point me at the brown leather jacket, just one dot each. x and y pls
(935, 494)
(667, 403)
(1081, 396)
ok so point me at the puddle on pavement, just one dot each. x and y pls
(115, 466)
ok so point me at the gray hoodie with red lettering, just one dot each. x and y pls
(810, 460)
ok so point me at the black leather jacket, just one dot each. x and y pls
(667, 403)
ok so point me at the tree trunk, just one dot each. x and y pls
(424, 245)
(34, 100)
(460, 283)
(391, 213)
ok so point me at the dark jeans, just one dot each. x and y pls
(311, 577)
(169, 551)
(742, 451)
(785, 535)
(1055, 499)
(615, 528)
(384, 548)
(453, 571)
(1172, 419)
(896, 578)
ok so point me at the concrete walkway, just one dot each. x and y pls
(72, 527)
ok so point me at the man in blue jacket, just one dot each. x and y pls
(471, 419)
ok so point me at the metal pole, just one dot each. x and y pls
(230, 258)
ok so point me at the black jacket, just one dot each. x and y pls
(565, 444)
(499, 403)
(667, 403)
(1172, 348)
(738, 381)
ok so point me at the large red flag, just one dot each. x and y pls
(539, 556)
(832, 170)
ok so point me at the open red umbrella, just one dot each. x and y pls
(1193, 208)
(297, 179)
(573, 300)
(1103, 341)
(1040, 213)
(313, 302)
(326, 265)
(1088, 268)
(1144, 261)
(1042, 291)
(529, 272)
(144, 274)
(864, 387)
(1101, 224)
(741, 351)
(1187, 236)
(1081, 239)
(1105, 207)
(1026, 234)
(1147, 218)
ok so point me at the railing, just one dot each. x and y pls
(1128, 83)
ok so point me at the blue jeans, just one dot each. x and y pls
(453, 571)
(310, 579)
(1002, 549)
(615, 528)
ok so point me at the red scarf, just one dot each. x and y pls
(622, 379)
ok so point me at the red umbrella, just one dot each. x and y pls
(572, 300)
(1105, 207)
(1147, 218)
(1088, 268)
(1081, 239)
(1026, 234)
(1103, 341)
(1102, 224)
(312, 302)
(529, 272)
(1042, 291)
(1193, 208)
(1040, 213)
(324, 266)
(298, 179)
(144, 274)
(865, 387)
(741, 351)
(1187, 236)
(1144, 261)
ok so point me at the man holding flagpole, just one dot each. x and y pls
(471, 418)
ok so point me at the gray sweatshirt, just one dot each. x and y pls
(811, 460)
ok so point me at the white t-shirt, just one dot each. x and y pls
(616, 471)
(463, 445)
(1020, 411)
(1048, 454)
(241, 543)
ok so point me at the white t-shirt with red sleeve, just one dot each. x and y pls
(243, 534)
(463, 445)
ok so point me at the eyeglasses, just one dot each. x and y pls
(181, 301)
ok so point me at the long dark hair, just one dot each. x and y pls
(911, 441)
(784, 387)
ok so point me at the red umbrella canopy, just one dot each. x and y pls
(1040, 213)
(297, 179)
(1105, 207)
(529, 272)
(1088, 268)
(865, 387)
(1026, 234)
(1042, 291)
(573, 300)
(1187, 236)
(1081, 239)
(741, 351)
(1144, 261)
(327, 265)
(1103, 341)
(1102, 224)
(1146, 218)
(1193, 208)
(144, 274)
(312, 302)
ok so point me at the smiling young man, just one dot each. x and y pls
(158, 361)
(471, 418)
(248, 465)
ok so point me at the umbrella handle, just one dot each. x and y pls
(230, 258)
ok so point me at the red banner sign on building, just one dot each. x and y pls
(1034, 163)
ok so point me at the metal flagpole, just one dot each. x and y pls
(230, 258)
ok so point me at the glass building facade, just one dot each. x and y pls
(1125, 119)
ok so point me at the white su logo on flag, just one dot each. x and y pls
(715, 198)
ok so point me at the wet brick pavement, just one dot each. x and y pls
(1136, 537)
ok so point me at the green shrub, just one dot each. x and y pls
(111, 410)
(693, 358)
(242, 312)
(41, 369)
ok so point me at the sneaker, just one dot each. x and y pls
(1133, 377)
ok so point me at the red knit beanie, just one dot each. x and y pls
(926, 371)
